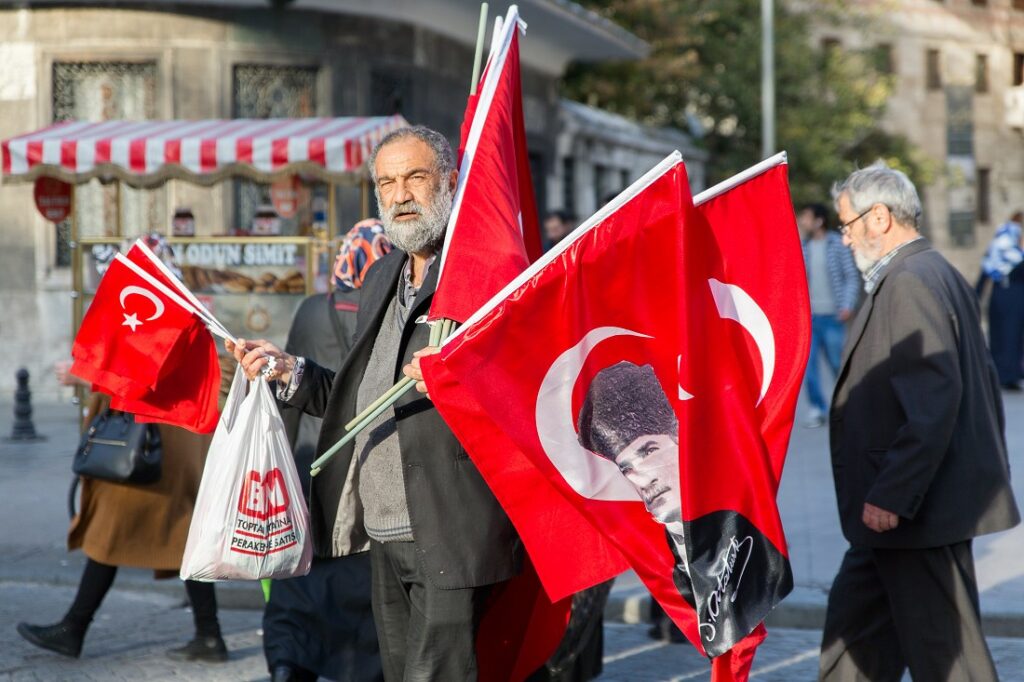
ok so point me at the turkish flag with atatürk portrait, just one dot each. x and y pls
(142, 344)
(593, 393)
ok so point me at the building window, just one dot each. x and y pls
(961, 228)
(884, 59)
(959, 121)
(1018, 4)
(272, 91)
(538, 173)
(104, 91)
(1018, 68)
(981, 73)
(389, 92)
(603, 177)
(979, 3)
(933, 62)
(569, 185)
(983, 195)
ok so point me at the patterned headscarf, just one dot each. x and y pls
(363, 246)
(1004, 252)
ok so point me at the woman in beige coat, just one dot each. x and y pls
(142, 526)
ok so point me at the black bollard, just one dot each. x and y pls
(23, 427)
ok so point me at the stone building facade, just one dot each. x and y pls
(959, 97)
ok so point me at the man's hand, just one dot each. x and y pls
(878, 519)
(413, 371)
(255, 355)
(844, 315)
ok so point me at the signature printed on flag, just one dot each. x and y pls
(730, 557)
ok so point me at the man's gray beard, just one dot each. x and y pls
(422, 234)
(864, 262)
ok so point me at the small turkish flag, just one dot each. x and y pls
(187, 393)
(127, 332)
(141, 343)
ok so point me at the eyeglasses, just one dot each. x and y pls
(844, 229)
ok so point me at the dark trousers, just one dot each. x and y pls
(1006, 329)
(425, 633)
(97, 579)
(890, 609)
(322, 622)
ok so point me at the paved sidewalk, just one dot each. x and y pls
(34, 479)
(127, 641)
(807, 503)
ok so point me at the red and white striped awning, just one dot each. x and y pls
(146, 153)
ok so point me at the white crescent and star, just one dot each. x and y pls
(736, 304)
(598, 478)
(132, 320)
(591, 476)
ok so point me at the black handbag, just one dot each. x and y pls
(116, 448)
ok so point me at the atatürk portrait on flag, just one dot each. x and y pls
(627, 419)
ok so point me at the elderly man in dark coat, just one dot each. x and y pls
(404, 490)
(918, 453)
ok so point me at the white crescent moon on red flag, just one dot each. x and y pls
(590, 475)
(154, 299)
(735, 304)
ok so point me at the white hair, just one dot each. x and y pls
(880, 184)
(444, 160)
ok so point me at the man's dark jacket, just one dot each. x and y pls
(917, 418)
(323, 334)
(462, 536)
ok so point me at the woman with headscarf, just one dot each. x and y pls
(1004, 266)
(137, 526)
(321, 624)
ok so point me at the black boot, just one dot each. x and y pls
(210, 649)
(61, 637)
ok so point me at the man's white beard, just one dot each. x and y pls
(867, 257)
(424, 233)
(864, 262)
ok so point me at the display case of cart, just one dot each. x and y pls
(253, 286)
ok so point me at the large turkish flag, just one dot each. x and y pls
(649, 324)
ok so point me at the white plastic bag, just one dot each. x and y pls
(250, 519)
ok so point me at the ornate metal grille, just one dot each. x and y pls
(270, 91)
(102, 91)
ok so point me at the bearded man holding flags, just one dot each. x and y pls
(405, 489)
